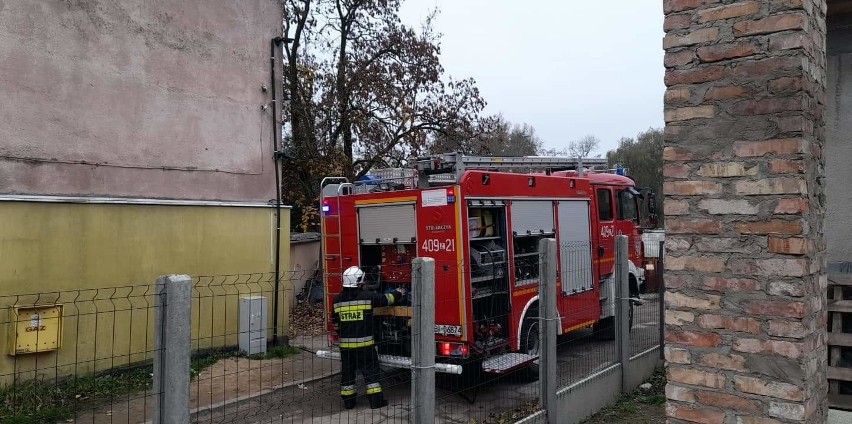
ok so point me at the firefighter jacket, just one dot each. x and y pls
(353, 315)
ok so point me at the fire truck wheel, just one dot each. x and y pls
(471, 375)
(604, 329)
(530, 345)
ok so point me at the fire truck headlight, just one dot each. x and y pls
(649, 266)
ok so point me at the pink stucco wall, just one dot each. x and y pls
(159, 98)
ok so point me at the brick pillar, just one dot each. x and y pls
(744, 204)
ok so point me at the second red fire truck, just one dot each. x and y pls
(481, 219)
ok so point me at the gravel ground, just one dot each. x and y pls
(307, 320)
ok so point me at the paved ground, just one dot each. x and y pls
(839, 417)
(318, 401)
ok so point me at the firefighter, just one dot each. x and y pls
(353, 321)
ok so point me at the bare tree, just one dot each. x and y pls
(553, 152)
(493, 136)
(583, 147)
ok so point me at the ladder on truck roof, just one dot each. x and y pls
(458, 163)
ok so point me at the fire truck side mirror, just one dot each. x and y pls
(652, 203)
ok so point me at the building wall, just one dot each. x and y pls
(100, 260)
(304, 261)
(146, 99)
(137, 98)
(838, 163)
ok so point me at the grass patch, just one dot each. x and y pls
(628, 407)
(637, 407)
(654, 400)
(36, 401)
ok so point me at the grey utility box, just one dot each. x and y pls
(253, 325)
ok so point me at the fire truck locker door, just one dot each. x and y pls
(532, 217)
(575, 247)
(387, 224)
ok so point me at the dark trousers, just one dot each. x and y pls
(367, 360)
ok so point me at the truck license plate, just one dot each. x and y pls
(448, 330)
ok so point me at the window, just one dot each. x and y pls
(604, 205)
(627, 209)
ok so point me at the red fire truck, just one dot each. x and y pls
(481, 219)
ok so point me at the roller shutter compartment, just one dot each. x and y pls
(387, 224)
(532, 217)
(576, 247)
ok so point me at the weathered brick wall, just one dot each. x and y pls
(745, 327)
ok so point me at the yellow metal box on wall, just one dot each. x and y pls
(35, 329)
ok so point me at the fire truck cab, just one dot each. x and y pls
(481, 220)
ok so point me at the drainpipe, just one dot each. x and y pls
(276, 72)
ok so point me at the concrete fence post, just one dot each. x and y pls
(622, 308)
(549, 331)
(172, 333)
(423, 342)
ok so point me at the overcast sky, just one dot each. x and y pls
(566, 67)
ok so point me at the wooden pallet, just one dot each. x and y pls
(838, 307)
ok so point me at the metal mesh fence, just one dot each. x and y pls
(645, 329)
(587, 342)
(242, 374)
(255, 362)
(497, 382)
(647, 313)
(78, 356)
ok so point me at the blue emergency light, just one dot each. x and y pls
(326, 207)
(619, 171)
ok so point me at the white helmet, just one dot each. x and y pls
(352, 277)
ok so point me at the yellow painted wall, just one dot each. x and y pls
(100, 262)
